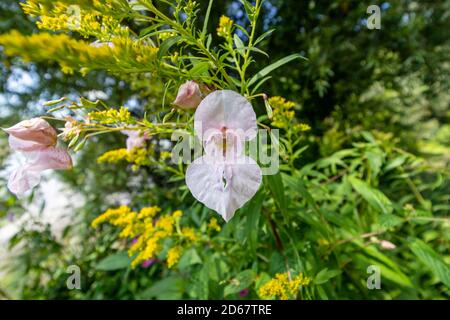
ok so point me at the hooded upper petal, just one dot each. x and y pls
(189, 95)
(37, 130)
(225, 110)
(23, 179)
(223, 187)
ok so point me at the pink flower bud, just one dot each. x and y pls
(35, 130)
(189, 95)
(387, 245)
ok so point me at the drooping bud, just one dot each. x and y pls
(189, 95)
(35, 130)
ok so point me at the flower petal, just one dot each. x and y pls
(24, 145)
(223, 187)
(189, 95)
(37, 130)
(225, 109)
(50, 158)
(23, 179)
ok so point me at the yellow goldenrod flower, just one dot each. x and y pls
(225, 26)
(189, 233)
(111, 116)
(213, 225)
(165, 155)
(283, 115)
(118, 54)
(148, 212)
(110, 215)
(113, 156)
(283, 288)
(147, 232)
(173, 256)
(177, 214)
(166, 223)
(138, 157)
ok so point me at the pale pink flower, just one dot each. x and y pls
(29, 135)
(387, 245)
(136, 138)
(189, 95)
(36, 139)
(224, 179)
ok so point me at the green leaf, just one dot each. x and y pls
(170, 288)
(200, 68)
(268, 109)
(374, 197)
(252, 211)
(208, 12)
(264, 72)
(166, 45)
(53, 102)
(263, 36)
(239, 44)
(390, 220)
(189, 257)
(432, 260)
(242, 281)
(324, 275)
(116, 261)
(275, 184)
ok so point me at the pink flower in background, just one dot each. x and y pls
(136, 138)
(387, 245)
(189, 95)
(243, 293)
(36, 139)
(224, 179)
(148, 263)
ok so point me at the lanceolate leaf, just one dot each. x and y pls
(264, 72)
(432, 260)
(374, 197)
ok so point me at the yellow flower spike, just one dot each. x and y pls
(177, 214)
(165, 155)
(173, 256)
(225, 25)
(110, 214)
(166, 223)
(283, 288)
(148, 212)
(189, 233)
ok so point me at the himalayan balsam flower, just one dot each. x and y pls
(224, 179)
(189, 95)
(31, 135)
(36, 139)
(136, 139)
